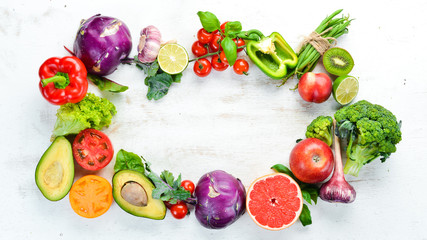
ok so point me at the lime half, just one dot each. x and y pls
(172, 58)
(345, 89)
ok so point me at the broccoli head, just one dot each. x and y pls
(320, 128)
(371, 131)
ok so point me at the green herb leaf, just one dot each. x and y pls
(283, 169)
(161, 187)
(305, 216)
(150, 69)
(177, 77)
(313, 192)
(167, 177)
(232, 29)
(230, 50)
(306, 195)
(158, 85)
(209, 21)
(127, 160)
(105, 84)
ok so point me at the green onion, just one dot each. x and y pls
(308, 56)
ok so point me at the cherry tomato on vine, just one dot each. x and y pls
(92, 149)
(223, 26)
(218, 64)
(215, 43)
(188, 185)
(239, 43)
(179, 210)
(204, 36)
(223, 58)
(241, 67)
(199, 49)
(202, 67)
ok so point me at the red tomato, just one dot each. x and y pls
(188, 185)
(202, 67)
(311, 160)
(222, 27)
(315, 87)
(223, 58)
(199, 49)
(179, 210)
(218, 64)
(92, 149)
(239, 43)
(215, 43)
(204, 36)
(241, 67)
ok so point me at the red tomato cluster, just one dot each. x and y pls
(209, 44)
(179, 210)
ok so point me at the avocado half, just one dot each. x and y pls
(132, 191)
(55, 170)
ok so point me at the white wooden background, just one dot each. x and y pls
(240, 124)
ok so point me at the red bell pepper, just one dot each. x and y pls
(63, 80)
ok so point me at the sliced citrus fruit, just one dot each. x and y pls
(345, 89)
(172, 58)
(274, 201)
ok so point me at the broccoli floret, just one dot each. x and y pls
(371, 131)
(92, 112)
(320, 128)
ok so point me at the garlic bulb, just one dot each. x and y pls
(149, 44)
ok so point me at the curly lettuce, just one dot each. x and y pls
(92, 112)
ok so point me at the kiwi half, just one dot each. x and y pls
(338, 61)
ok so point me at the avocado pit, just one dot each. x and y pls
(133, 193)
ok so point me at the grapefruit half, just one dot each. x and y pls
(274, 201)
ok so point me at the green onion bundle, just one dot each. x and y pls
(329, 29)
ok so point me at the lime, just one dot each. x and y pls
(345, 89)
(172, 58)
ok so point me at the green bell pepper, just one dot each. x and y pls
(272, 55)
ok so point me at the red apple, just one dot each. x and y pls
(315, 87)
(311, 160)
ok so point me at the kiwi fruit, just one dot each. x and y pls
(338, 61)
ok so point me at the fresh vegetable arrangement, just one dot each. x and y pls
(274, 201)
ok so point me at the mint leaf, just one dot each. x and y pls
(305, 216)
(105, 84)
(230, 50)
(232, 29)
(128, 161)
(209, 21)
(158, 85)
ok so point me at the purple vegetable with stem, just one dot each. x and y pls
(220, 199)
(337, 189)
(101, 43)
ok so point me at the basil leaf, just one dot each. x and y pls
(232, 29)
(306, 195)
(283, 169)
(313, 192)
(305, 216)
(230, 50)
(105, 84)
(150, 69)
(158, 85)
(127, 160)
(209, 21)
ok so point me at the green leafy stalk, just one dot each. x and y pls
(310, 192)
(105, 84)
(308, 56)
(128, 161)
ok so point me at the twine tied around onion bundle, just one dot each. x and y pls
(321, 44)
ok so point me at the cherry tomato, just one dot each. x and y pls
(204, 36)
(92, 149)
(215, 43)
(202, 67)
(223, 26)
(223, 58)
(218, 64)
(239, 42)
(199, 49)
(241, 67)
(188, 185)
(179, 210)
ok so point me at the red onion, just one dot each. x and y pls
(337, 189)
